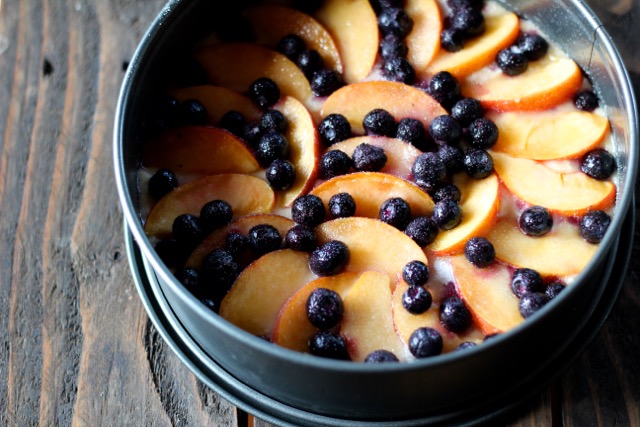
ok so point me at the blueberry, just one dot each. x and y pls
(399, 70)
(236, 243)
(233, 121)
(324, 82)
(308, 210)
(457, 4)
(533, 46)
(425, 342)
(329, 259)
(395, 212)
(483, 133)
(251, 133)
(452, 39)
(215, 214)
(324, 308)
(465, 346)
(210, 304)
(467, 110)
(422, 230)
(189, 278)
(412, 131)
(220, 269)
(480, 252)
(531, 303)
(280, 174)
(264, 238)
(454, 314)
(309, 62)
(447, 191)
(172, 252)
(478, 163)
(380, 356)
(369, 158)
(187, 229)
(329, 345)
(586, 100)
(512, 63)
(429, 171)
(468, 20)
(342, 205)
(379, 122)
(301, 238)
(415, 273)
(161, 183)
(445, 130)
(598, 164)
(446, 214)
(264, 92)
(291, 46)
(273, 120)
(525, 281)
(535, 221)
(394, 20)
(272, 146)
(416, 299)
(192, 112)
(452, 158)
(553, 289)
(379, 5)
(334, 128)
(444, 88)
(392, 46)
(334, 163)
(594, 225)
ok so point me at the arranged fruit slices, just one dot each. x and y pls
(423, 42)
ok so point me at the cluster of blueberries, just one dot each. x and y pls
(466, 21)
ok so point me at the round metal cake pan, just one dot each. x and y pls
(425, 388)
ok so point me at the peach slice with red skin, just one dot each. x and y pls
(423, 42)
(354, 27)
(355, 101)
(487, 293)
(546, 84)
(293, 329)
(246, 195)
(501, 31)
(218, 101)
(371, 189)
(260, 291)
(199, 150)
(548, 135)
(271, 22)
(565, 193)
(400, 154)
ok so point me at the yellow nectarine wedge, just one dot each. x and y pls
(218, 100)
(479, 203)
(367, 323)
(548, 135)
(487, 293)
(354, 27)
(371, 189)
(565, 193)
(356, 100)
(271, 22)
(262, 289)
(293, 329)
(423, 42)
(246, 195)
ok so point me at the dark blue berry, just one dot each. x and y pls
(531, 303)
(483, 133)
(329, 345)
(210, 304)
(452, 39)
(220, 269)
(189, 278)
(598, 164)
(412, 131)
(273, 120)
(447, 191)
(468, 20)
(264, 92)
(525, 281)
(264, 238)
(429, 171)
(309, 62)
(234, 122)
(172, 252)
(444, 88)
(301, 238)
(392, 46)
(445, 130)
(324, 308)
(454, 314)
(192, 112)
(236, 243)
(334, 128)
(457, 4)
(369, 158)
(465, 346)
(187, 229)
(478, 163)
(324, 82)
(252, 133)
(452, 157)
(329, 259)
(272, 146)
(215, 214)
(399, 70)
(342, 205)
(395, 212)
(291, 46)
(380, 356)
(334, 163)
(535, 221)
(480, 252)
(425, 342)
(280, 174)
(415, 273)
(554, 289)
(467, 110)
(533, 46)
(594, 225)
(161, 183)
(379, 5)
(512, 63)
(586, 100)
(416, 299)
(394, 20)
(446, 214)
(308, 210)
(379, 122)
(422, 230)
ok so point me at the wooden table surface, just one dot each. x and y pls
(76, 346)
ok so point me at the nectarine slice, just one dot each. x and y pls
(218, 100)
(423, 42)
(258, 294)
(371, 189)
(565, 193)
(356, 100)
(246, 195)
